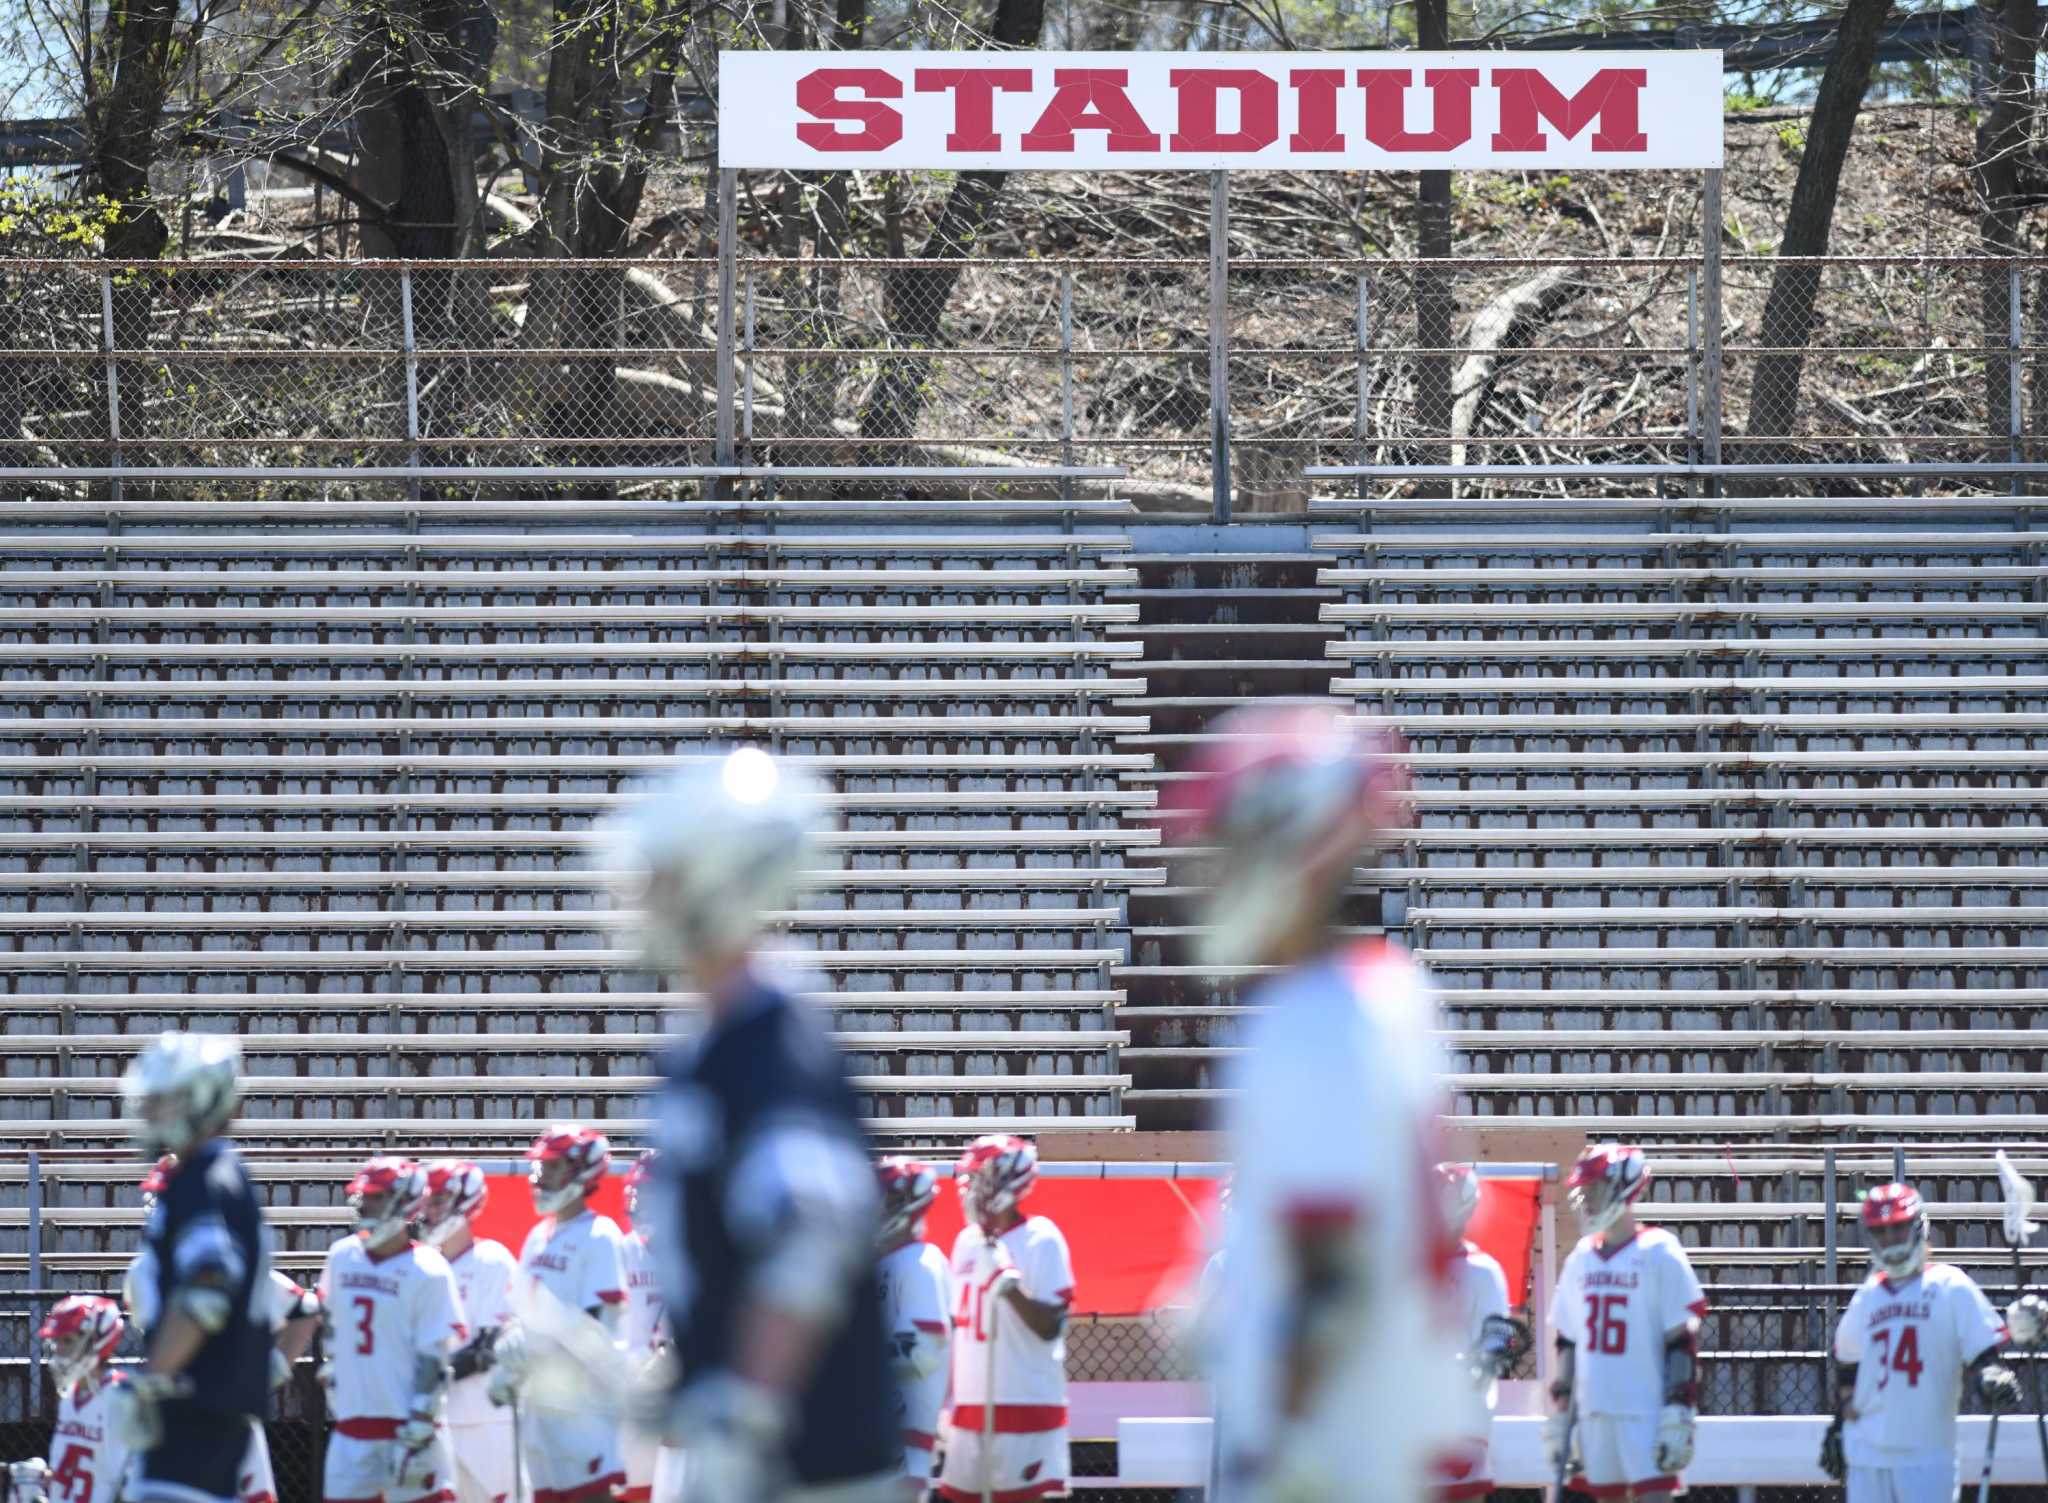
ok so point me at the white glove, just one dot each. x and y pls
(133, 1412)
(415, 1441)
(1557, 1439)
(29, 1481)
(2027, 1319)
(732, 1431)
(1674, 1439)
(280, 1369)
(508, 1367)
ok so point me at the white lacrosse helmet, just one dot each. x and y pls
(994, 1173)
(1289, 795)
(706, 853)
(1605, 1182)
(587, 1155)
(456, 1191)
(181, 1090)
(79, 1335)
(1890, 1206)
(1459, 1186)
(388, 1195)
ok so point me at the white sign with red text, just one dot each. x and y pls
(1390, 111)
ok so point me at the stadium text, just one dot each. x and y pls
(1298, 110)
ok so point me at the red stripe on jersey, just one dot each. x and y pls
(931, 1325)
(612, 1296)
(368, 1429)
(597, 1487)
(1699, 1308)
(633, 1494)
(258, 1498)
(1053, 1489)
(1460, 1492)
(1012, 1419)
(917, 1440)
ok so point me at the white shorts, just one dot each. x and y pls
(1025, 1467)
(486, 1470)
(638, 1450)
(362, 1471)
(258, 1484)
(1618, 1457)
(570, 1457)
(668, 1475)
(1930, 1481)
(1462, 1474)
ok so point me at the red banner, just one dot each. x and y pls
(1137, 1243)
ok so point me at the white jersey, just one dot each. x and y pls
(484, 1272)
(88, 1463)
(640, 1329)
(1616, 1305)
(1030, 1372)
(1331, 1127)
(915, 1306)
(1911, 1342)
(580, 1263)
(1479, 1290)
(284, 1299)
(384, 1313)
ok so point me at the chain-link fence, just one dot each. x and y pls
(778, 362)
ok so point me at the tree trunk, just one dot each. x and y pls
(2002, 130)
(916, 296)
(1433, 295)
(140, 54)
(1788, 311)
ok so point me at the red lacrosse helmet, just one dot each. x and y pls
(636, 1181)
(79, 1334)
(585, 1155)
(1888, 1207)
(993, 1175)
(456, 1191)
(1606, 1181)
(1459, 1186)
(388, 1194)
(1289, 794)
(908, 1190)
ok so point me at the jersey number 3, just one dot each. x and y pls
(1902, 1358)
(366, 1313)
(1606, 1325)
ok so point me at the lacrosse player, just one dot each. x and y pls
(915, 1306)
(487, 1462)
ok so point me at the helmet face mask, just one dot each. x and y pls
(565, 1166)
(908, 1190)
(1895, 1227)
(993, 1176)
(456, 1191)
(1604, 1184)
(78, 1337)
(388, 1196)
(1459, 1187)
(181, 1090)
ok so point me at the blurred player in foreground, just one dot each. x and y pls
(393, 1317)
(201, 1285)
(1627, 1315)
(1013, 1282)
(487, 1460)
(1910, 1338)
(294, 1317)
(1490, 1340)
(762, 1206)
(1334, 1352)
(78, 1338)
(569, 1301)
(916, 1308)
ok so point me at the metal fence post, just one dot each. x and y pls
(1898, 1163)
(113, 377)
(1692, 365)
(1364, 344)
(728, 252)
(1066, 380)
(1219, 344)
(35, 1277)
(1712, 324)
(747, 381)
(412, 379)
(1828, 1196)
(2015, 427)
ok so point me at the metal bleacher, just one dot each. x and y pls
(323, 774)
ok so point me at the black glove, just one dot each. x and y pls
(1999, 1387)
(479, 1356)
(1831, 1459)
